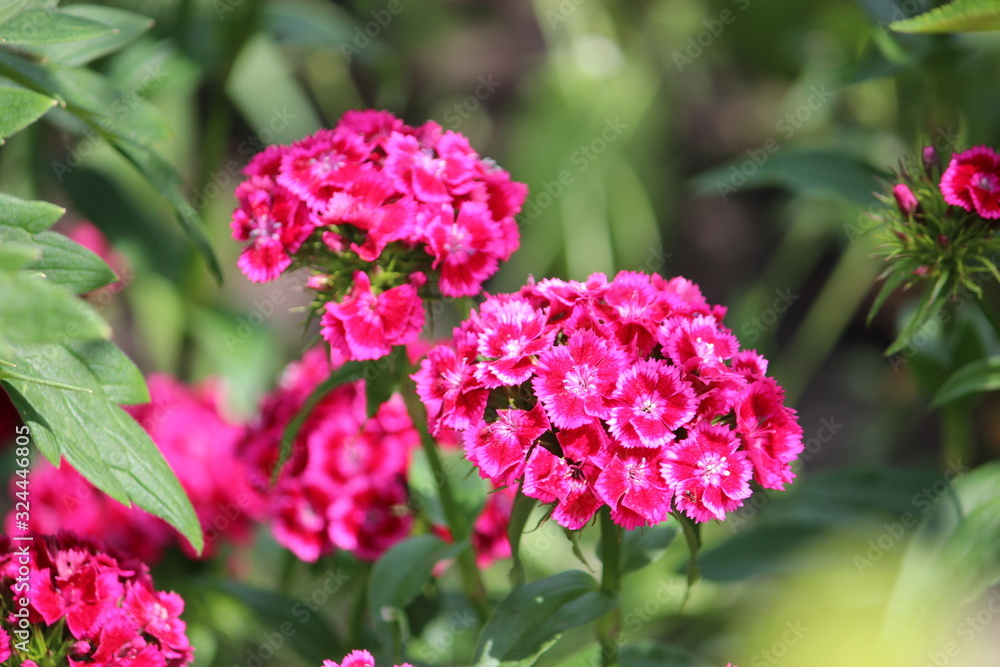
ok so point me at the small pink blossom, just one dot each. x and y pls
(708, 473)
(651, 401)
(972, 181)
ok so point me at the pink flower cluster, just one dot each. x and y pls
(106, 608)
(344, 486)
(628, 393)
(381, 213)
(972, 181)
(200, 446)
(357, 659)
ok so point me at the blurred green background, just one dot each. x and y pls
(734, 142)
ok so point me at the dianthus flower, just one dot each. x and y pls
(357, 659)
(972, 181)
(91, 606)
(199, 444)
(344, 486)
(382, 215)
(628, 393)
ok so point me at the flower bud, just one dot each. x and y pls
(921, 270)
(905, 200)
(943, 241)
(930, 157)
(318, 282)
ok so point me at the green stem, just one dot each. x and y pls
(609, 625)
(460, 530)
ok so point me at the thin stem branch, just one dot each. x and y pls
(459, 527)
(609, 625)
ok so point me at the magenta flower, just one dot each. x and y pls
(344, 486)
(357, 659)
(4, 645)
(772, 437)
(652, 401)
(575, 380)
(500, 447)
(644, 401)
(378, 198)
(97, 607)
(632, 486)
(367, 326)
(972, 181)
(708, 473)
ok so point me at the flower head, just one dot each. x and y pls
(628, 393)
(367, 206)
(972, 181)
(97, 607)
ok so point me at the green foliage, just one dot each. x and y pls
(956, 16)
(534, 616)
(399, 575)
(63, 374)
(976, 377)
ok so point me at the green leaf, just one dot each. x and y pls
(32, 216)
(166, 179)
(382, 378)
(976, 377)
(534, 615)
(889, 286)
(956, 16)
(313, 638)
(41, 26)
(785, 523)
(20, 108)
(10, 9)
(807, 172)
(652, 653)
(14, 256)
(349, 372)
(96, 436)
(399, 575)
(930, 305)
(127, 25)
(643, 546)
(121, 381)
(32, 311)
(62, 261)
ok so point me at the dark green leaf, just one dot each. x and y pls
(658, 654)
(786, 522)
(930, 305)
(534, 615)
(41, 26)
(956, 16)
(127, 27)
(310, 636)
(32, 311)
(32, 216)
(974, 378)
(643, 546)
(96, 436)
(382, 378)
(399, 575)
(802, 172)
(20, 108)
(168, 181)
